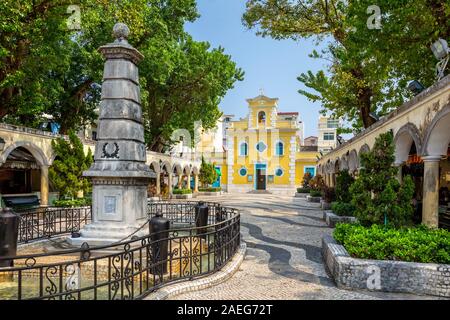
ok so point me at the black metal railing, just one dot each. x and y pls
(131, 269)
(47, 222)
(184, 211)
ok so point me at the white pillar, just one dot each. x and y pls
(430, 206)
(170, 182)
(188, 181)
(180, 181)
(158, 183)
(44, 185)
(195, 182)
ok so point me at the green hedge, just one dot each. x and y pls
(315, 193)
(182, 191)
(343, 209)
(73, 203)
(211, 189)
(303, 190)
(418, 244)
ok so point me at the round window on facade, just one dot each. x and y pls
(243, 172)
(261, 146)
(279, 172)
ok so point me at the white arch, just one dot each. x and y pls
(437, 137)
(187, 169)
(37, 153)
(343, 165)
(405, 137)
(155, 166)
(177, 169)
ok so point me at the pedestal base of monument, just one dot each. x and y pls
(97, 234)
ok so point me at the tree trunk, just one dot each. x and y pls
(364, 96)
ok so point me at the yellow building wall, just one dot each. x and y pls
(284, 131)
(268, 156)
(304, 159)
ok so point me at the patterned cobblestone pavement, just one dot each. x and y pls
(283, 236)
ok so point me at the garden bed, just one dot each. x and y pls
(332, 219)
(313, 199)
(325, 205)
(209, 193)
(182, 196)
(212, 191)
(384, 275)
(301, 195)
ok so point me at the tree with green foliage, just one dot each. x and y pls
(368, 69)
(208, 174)
(343, 183)
(408, 28)
(346, 91)
(66, 172)
(47, 68)
(377, 195)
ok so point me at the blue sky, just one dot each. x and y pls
(268, 64)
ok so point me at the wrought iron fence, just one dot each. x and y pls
(131, 269)
(41, 223)
(184, 211)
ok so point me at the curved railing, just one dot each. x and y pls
(131, 269)
(47, 222)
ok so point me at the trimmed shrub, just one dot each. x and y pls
(315, 193)
(343, 209)
(66, 172)
(182, 191)
(377, 195)
(303, 190)
(208, 174)
(418, 244)
(73, 202)
(211, 189)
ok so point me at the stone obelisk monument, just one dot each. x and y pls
(119, 173)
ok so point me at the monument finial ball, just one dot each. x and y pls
(121, 31)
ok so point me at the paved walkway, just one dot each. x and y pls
(283, 236)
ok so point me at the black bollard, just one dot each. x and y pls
(201, 219)
(9, 232)
(159, 235)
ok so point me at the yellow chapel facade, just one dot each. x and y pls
(261, 152)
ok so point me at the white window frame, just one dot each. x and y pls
(276, 149)
(240, 149)
(310, 167)
(329, 133)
